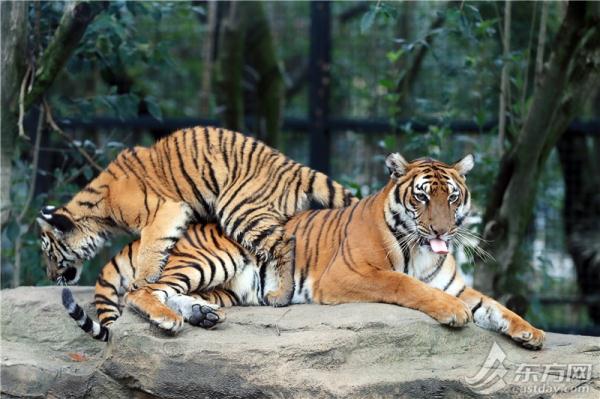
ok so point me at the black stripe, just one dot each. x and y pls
(90, 190)
(188, 178)
(101, 311)
(107, 319)
(331, 192)
(103, 336)
(451, 280)
(476, 307)
(182, 277)
(438, 267)
(263, 273)
(105, 300)
(87, 326)
(406, 255)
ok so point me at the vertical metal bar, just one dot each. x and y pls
(319, 85)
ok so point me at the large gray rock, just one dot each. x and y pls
(352, 350)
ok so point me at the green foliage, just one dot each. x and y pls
(67, 180)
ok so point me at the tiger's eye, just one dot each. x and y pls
(421, 197)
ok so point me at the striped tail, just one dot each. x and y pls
(328, 192)
(77, 313)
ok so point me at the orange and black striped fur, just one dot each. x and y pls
(377, 250)
(248, 188)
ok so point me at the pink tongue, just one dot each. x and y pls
(438, 246)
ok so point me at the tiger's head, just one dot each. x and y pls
(428, 202)
(65, 244)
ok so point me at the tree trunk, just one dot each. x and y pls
(207, 58)
(73, 23)
(261, 55)
(410, 73)
(573, 71)
(580, 159)
(504, 78)
(229, 81)
(14, 50)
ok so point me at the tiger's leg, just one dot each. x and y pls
(180, 278)
(146, 302)
(112, 282)
(284, 258)
(268, 241)
(223, 297)
(114, 278)
(489, 314)
(340, 284)
(157, 239)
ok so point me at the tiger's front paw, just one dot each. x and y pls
(450, 311)
(527, 335)
(278, 298)
(206, 316)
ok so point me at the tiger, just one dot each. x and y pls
(391, 247)
(200, 173)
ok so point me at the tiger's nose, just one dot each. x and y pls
(438, 231)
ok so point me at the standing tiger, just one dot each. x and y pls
(391, 247)
(250, 188)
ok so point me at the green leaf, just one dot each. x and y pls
(88, 172)
(12, 230)
(367, 20)
(153, 107)
(394, 56)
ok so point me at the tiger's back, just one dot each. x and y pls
(251, 190)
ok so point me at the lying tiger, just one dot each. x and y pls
(250, 189)
(390, 247)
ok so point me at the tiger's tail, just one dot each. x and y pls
(77, 313)
(328, 192)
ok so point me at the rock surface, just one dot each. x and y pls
(306, 351)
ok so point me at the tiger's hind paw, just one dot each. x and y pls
(169, 324)
(205, 316)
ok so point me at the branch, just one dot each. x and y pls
(539, 59)
(75, 20)
(527, 62)
(407, 79)
(22, 103)
(57, 129)
(16, 277)
(34, 166)
(504, 79)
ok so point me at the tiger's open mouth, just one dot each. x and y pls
(68, 276)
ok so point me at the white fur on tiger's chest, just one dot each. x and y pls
(422, 263)
(438, 271)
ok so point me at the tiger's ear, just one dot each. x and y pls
(396, 164)
(45, 226)
(465, 165)
(50, 220)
